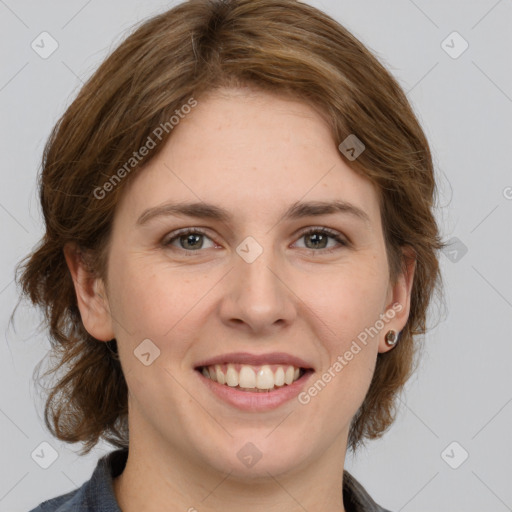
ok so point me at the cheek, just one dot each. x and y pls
(346, 309)
(149, 299)
(347, 301)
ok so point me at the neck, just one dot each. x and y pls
(157, 479)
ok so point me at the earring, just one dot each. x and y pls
(391, 338)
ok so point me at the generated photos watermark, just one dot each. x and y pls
(151, 142)
(342, 360)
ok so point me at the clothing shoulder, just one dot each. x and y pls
(62, 503)
(356, 497)
(96, 494)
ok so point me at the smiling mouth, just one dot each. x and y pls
(256, 379)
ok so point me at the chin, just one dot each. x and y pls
(255, 456)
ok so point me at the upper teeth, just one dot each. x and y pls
(245, 376)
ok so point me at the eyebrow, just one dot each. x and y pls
(298, 210)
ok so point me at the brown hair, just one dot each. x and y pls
(282, 46)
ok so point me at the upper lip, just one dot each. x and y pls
(256, 359)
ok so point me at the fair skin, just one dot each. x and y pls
(253, 154)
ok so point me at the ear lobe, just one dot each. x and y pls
(399, 305)
(90, 293)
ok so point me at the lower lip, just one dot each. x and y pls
(256, 401)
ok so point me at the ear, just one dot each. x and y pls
(90, 293)
(399, 298)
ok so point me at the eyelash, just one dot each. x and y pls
(322, 230)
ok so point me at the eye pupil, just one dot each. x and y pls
(318, 237)
(190, 239)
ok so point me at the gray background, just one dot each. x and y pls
(462, 391)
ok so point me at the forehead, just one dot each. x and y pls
(250, 153)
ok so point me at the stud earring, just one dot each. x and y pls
(391, 338)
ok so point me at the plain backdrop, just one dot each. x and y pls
(450, 448)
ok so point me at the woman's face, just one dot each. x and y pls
(255, 284)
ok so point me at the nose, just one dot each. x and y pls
(258, 298)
